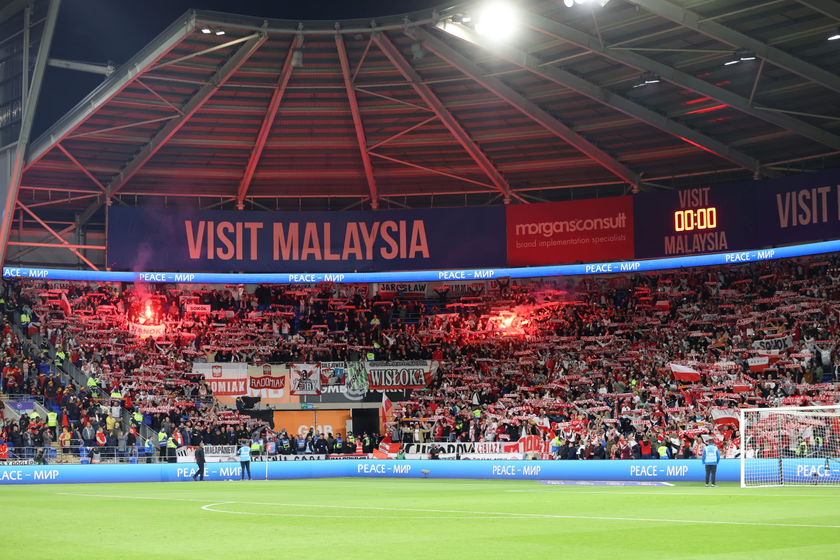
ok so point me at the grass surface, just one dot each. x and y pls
(416, 519)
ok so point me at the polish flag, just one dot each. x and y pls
(726, 416)
(773, 355)
(387, 407)
(684, 373)
(758, 364)
(65, 305)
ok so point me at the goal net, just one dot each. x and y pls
(794, 446)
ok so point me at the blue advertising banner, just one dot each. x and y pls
(694, 221)
(425, 275)
(216, 240)
(583, 471)
(799, 208)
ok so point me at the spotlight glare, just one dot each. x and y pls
(496, 22)
(569, 3)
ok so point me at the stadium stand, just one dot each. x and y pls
(609, 367)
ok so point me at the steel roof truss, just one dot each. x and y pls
(526, 107)
(677, 77)
(175, 124)
(64, 242)
(357, 120)
(268, 122)
(425, 92)
(608, 98)
(725, 34)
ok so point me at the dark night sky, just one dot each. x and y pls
(103, 30)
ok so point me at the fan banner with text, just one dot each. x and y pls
(230, 380)
(392, 376)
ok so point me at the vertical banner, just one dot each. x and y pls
(305, 379)
(599, 229)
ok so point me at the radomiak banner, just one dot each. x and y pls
(212, 240)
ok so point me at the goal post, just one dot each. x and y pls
(790, 446)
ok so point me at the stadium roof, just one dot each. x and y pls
(422, 110)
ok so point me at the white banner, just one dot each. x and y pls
(395, 376)
(145, 331)
(225, 379)
(305, 379)
(781, 343)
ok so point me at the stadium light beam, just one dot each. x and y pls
(496, 22)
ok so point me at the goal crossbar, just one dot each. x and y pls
(795, 445)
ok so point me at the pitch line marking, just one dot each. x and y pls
(512, 515)
(209, 507)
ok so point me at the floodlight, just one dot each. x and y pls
(297, 58)
(734, 60)
(220, 31)
(569, 3)
(746, 55)
(651, 78)
(206, 30)
(496, 22)
(417, 51)
(835, 35)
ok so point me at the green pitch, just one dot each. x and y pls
(416, 519)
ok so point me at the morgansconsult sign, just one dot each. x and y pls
(563, 232)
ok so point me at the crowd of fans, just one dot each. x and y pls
(584, 364)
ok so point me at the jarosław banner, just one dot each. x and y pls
(392, 376)
(215, 240)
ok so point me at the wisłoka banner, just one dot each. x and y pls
(563, 232)
(216, 240)
(392, 376)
